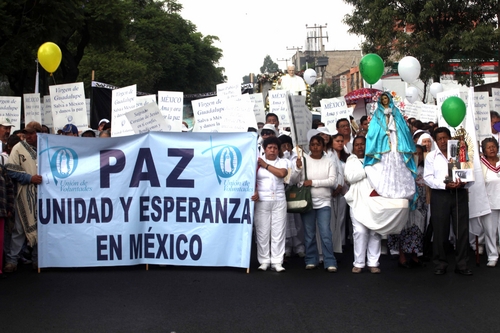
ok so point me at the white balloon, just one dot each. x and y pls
(412, 94)
(378, 85)
(436, 88)
(310, 76)
(409, 69)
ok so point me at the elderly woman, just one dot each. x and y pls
(319, 172)
(270, 206)
(491, 222)
(426, 141)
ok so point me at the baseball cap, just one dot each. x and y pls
(70, 128)
(33, 126)
(5, 122)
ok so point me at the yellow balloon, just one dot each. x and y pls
(49, 56)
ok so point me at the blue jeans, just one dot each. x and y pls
(321, 217)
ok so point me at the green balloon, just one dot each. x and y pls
(371, 68)
(453, 110)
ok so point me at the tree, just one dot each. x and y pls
(435, 32)
(269, 66)
(71, 24)
(167, 53)
(323, 91)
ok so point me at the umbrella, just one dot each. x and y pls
(365, 94)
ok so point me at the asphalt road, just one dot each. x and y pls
(191, 299)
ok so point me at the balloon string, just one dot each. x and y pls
(53, 78)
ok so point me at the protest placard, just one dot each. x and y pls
(171, 105)
(279, 105)
(122, 101)
(47, 113)
(207, 114)
(68, 105)
(333, 109)
(258, 109)
(147, 118)
(228, 90)
(32, 108)
(10, 108)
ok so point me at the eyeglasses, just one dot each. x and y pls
(344, 126)
(267, 132)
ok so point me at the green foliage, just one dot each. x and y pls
(438, 31)
(269, 66)
(324, 91)
(167, 52)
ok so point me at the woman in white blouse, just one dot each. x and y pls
(491, 222)
(270, 207)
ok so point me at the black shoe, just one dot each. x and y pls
(418, 263)
(403, 264)
(464, 271)
(439, 271)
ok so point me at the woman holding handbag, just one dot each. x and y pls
(318, 172)
(270, 207)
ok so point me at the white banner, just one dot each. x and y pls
(143, 100)
(156, 198)
(32, 108)
(68, 106)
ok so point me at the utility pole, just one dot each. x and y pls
(297, 56)
(286, 60)
(316, 36)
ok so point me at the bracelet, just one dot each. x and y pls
(267, 167)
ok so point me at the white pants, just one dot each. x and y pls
(490, 224)
(270, 229)
(367, 244)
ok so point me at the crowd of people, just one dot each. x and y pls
(381, 185)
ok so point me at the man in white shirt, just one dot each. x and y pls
(449, 198)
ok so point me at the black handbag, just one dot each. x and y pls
(299, 199)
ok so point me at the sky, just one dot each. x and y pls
(250, 30)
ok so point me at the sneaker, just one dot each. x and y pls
(375, 270)
(491, 263)
(357, 270)
(263, 267)
(278, 268)
(332, 269)
(310, 266)
(301, 254)
(10, 267)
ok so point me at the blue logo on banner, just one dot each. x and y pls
(227, 160)
(63, 162)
